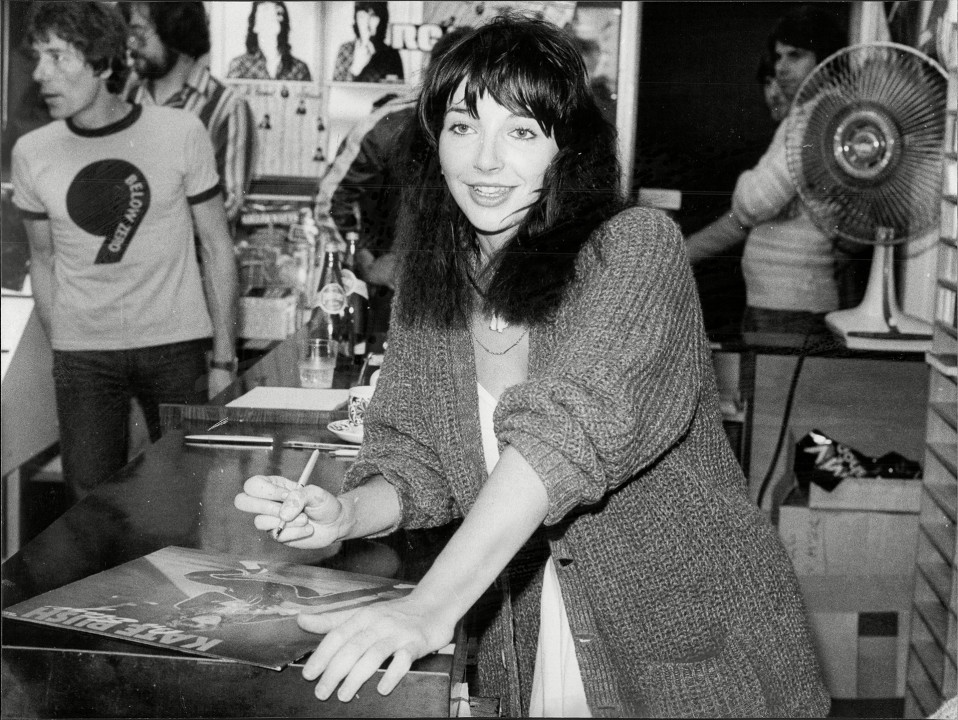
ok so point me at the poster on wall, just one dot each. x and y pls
(265, 40)
(268, 52)
(374, 52)
(368, 42)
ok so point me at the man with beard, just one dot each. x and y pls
(168, 42)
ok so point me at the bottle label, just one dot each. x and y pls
(331, 298)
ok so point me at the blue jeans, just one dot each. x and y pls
(93, 393)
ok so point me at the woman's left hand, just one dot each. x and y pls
(358, 642)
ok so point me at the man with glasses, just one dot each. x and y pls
(169, 42)
(112, 194)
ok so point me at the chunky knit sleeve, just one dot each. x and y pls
(398, 443)
(762, 193)
(622, 386)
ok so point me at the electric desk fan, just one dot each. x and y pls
(865, 150)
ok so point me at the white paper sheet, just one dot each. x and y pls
(287, 398)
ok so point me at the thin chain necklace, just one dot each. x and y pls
(499, 352)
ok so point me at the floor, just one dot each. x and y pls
(870, 708)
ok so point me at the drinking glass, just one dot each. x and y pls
(317, 365)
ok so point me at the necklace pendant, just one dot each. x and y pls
(498, 324)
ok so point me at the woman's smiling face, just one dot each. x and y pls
(494, 164)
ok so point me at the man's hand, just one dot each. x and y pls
(218, 381)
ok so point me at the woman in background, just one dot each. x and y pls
(548, 383)
(368, 58)
(268, 53)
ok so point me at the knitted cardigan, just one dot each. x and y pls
(679, 594)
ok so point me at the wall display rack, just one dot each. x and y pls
(933, 649)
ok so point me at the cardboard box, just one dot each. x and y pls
(856, 567)
(268, 318)
(846, 543)
(860, 628)
(880, 494)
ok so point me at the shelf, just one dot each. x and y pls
(941, 540)
(931, 661)
(943, 452)
(924, 696)
(945, 363)
(938, 578)
(947, 329)
(947, 412)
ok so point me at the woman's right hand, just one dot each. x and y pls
(313, 517)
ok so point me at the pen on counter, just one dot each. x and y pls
(345, 452)
(307, 445)
(231, 440)
(303, 479)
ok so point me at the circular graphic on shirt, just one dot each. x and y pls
(109, 198)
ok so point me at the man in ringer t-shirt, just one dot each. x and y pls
(111, 194)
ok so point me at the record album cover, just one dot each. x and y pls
(208, 604)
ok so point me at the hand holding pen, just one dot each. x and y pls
(296, 514)
(303, 479)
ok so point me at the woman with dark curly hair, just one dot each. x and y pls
(548, 384)
(268, 53)
(368, 58)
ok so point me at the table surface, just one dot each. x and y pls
(179, 494)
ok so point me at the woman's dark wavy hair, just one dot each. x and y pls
(380, 10)
(95, 29)
(282, 40)
(532, 68)
(181, 26)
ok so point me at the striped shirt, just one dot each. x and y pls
(229, 121)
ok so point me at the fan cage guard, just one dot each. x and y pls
(865, 136)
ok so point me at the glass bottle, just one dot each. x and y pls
(328, 318)
(357, 292)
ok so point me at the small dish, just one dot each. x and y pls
(345, 430)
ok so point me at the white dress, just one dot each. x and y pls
(556, 683)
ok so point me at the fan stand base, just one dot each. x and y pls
(860, 329)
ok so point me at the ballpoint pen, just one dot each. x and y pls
(303, 479)
(308, 445)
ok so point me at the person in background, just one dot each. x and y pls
(775, 99)
(788, 263)
(169, 45)
(112, 194)
(367, 176)
(269, 55)
(548, 384)
(368, 58)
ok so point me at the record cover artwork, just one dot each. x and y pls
(208, 604)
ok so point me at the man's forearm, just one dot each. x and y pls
(716, 238)
(221, 300)
(219, 274)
